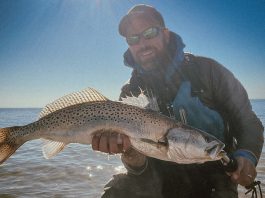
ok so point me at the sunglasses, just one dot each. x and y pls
(147, 34)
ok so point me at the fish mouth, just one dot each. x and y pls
(214, 149)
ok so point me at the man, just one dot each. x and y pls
(195, 90)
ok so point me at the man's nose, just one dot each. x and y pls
(142, 42)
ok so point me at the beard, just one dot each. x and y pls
(152, 59)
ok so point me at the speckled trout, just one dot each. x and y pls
(76, 117)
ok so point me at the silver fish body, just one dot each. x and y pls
(150, 132)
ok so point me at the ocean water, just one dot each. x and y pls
(75, 172)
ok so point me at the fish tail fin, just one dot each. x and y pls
(7, 147)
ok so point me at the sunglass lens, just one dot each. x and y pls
(132, 40)
(150, 33)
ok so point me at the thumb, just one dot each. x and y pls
(126, 142)
(236, 174)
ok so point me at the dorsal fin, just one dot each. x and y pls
(142, 101)
(86, 95)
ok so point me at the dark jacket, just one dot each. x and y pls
(217, 88)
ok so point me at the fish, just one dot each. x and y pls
(77, 117)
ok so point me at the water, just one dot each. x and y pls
(76, 172)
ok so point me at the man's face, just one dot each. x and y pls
(148, 53)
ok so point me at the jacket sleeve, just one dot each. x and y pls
(232, 99)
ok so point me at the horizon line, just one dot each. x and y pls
(44, 106)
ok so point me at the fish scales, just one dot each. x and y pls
(92, 117)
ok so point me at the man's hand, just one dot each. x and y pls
(113, 143)
(245, 173)
(110, 142)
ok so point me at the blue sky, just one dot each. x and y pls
(49, 48)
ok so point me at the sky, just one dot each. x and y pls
(49, 48)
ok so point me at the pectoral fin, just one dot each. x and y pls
(142, 101)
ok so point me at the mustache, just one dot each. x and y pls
(143, 49)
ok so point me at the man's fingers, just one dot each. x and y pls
(126, 142)
(95, 141)
(120, 142)
(110, 142)
(246, 172)
(119, 139)
(236, 174)
(104, 143)
(245, 180)
(113, 146)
